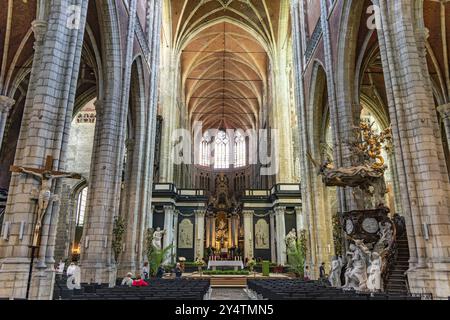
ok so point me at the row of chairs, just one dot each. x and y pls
(293, 289)
(158, 289)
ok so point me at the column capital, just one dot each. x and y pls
(39, 28)
(444, 110)
(248, 212)
(200, 213)
(6, 103)
(279, 210)
(168, 207)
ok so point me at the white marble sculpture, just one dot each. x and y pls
(291, 238)
(335, 274)
(157, 238)
(356, 273)
(374, 272)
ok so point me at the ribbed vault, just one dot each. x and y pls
(225, 47)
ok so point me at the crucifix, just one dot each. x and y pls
(43, 196)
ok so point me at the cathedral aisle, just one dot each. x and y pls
(229, 294)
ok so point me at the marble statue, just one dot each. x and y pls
(335, 274)
(356, 273)
(291, 238)
(374, 273)
(386, 233)
(157, 238)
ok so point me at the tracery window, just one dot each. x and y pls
(222, 151)
(205, 151)
(81, 207)
(239, 150)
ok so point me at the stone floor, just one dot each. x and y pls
(229, 294)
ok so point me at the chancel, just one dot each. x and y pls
(257, 149)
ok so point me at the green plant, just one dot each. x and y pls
(157, 257)
(119, 230)
(297, 255)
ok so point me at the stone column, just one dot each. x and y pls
(273, 250)
(208, 231)
(169, 212)
(175, 235)
(213, 232)
(236, 231)
(200, 236)
(5, 106)
(423, 174)
(44, 130)
(280, 234)
(444, 111)
(248, 233)
(300, 219)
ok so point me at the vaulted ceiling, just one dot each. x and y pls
(225, 48)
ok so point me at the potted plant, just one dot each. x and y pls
(200, 263)
(251, 266)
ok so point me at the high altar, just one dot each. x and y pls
(223, 221)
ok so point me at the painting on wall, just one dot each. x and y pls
(186, 234)
(262, 239)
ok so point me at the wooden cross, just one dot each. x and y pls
(44, 197)
(48, 168)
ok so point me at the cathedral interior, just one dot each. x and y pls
(247, 131)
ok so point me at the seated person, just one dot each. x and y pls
(160, 272)
(139, 282)
(128, 281)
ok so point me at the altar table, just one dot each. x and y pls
(225, 263)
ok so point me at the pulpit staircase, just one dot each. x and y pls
(397, 283)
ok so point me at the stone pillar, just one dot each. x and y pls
(248, 233)
(423, 174)
(175, 236)
(280, 234)
(169, 213)
(273, 250)
(44, 130)
(236, 231)
(444, 111)
(208, 231)
(213, 232)
(300, 219)
(200, 235)
(5, 106)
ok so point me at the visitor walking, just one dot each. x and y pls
(145, 271)
(306, 274)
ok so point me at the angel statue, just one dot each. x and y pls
(291, 238)
(356, 273)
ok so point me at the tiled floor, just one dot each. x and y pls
(229, 294)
